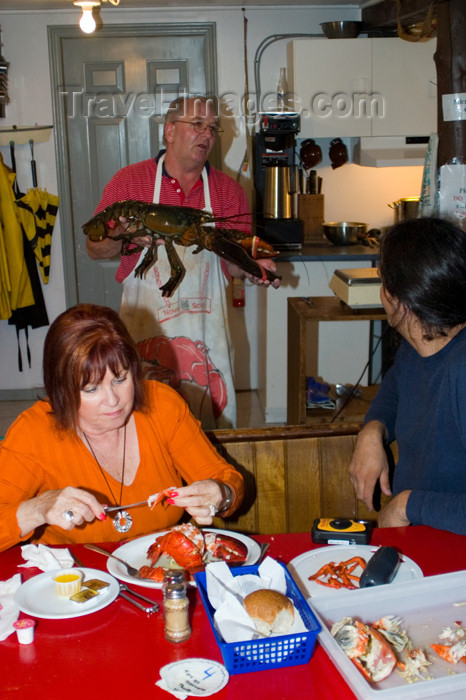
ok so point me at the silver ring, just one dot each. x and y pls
(68, 515)
(213, 510)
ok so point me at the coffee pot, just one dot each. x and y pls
(277, 192)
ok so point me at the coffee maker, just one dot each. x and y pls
(276, 181)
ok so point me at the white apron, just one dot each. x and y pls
(184, 340)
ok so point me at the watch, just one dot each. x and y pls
(226, 503)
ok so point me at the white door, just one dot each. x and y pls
(111, 94)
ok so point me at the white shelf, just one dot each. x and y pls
(23, 134)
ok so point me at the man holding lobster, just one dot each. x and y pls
(184, 340)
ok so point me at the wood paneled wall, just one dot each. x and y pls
(293, 475)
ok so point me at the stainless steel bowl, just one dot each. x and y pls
(342, 30)
(344, 232)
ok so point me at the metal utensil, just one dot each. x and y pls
(264, 549)
(126, 592)
(111, 509)
(130, 569)
(77, 560)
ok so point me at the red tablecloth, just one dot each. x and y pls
(117, 651)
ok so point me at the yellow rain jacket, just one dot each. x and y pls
(15, 285)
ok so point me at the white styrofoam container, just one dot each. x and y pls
(426, 606)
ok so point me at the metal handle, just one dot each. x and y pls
(149, 610)
(104, 551)
(124, 587)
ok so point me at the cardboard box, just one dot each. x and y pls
(311, 213)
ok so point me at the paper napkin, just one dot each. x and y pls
(46, 559)
(9, 611)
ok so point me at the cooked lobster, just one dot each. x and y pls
(191, 548)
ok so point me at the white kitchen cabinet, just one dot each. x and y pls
(363, 87)
(324, 76)
(404, 74)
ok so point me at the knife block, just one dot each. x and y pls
(311, 213)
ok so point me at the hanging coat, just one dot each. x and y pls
(15, 290)
(37, 212)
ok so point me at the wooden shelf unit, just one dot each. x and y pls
(304, 316)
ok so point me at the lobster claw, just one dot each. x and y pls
(225, 548)
(222, 244)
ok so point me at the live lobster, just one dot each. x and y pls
(184, 226)
(190, 548)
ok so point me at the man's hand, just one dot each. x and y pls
(369, 464)
(265, 263)
(394, 513)
(108, 247)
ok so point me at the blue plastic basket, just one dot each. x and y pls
(272, 652)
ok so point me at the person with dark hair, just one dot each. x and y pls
(183, 339)
(105, 437)
(421, 402)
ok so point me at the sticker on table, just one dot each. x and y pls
(198, 677)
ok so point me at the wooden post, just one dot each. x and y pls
(450, 60)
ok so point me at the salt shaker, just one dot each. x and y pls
(175, 607)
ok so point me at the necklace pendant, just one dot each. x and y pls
(122, 522)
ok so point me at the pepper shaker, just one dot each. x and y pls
(175, 607)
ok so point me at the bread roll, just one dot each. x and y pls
(271, 611)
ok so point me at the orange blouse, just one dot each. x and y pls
(36, 456)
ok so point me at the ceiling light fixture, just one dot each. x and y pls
(88, 22)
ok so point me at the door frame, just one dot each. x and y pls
(70, 229)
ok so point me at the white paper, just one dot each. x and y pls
(454, 107)
(198, 677)
(429, 188)
(226, 593)
(9, 611)
(46, 559)
(452, 200)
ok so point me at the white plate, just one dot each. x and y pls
(37, 596)
(135, 553)
(307, 564)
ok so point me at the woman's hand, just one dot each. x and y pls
(49, 507)
(369, 464)
(197, 498)
(394, 513)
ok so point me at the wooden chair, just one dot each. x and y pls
(293, 474)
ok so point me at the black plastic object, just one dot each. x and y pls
(381, 568)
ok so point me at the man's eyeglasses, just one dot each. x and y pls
(200, 127)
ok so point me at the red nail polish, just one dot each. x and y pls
(173, 494)
(102, 516)
(170, 501)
